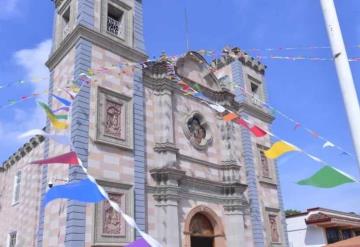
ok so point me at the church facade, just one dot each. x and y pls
(185, 175)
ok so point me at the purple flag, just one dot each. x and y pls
(139, 243)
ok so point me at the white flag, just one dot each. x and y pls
(328, 144)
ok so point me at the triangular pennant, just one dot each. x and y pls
(139, 243)
(62, 100)
(278, 149)
(230, 116)
(68, 158)
(54, 121)
(327, 177)
(242, 122)
(83, 191)
(217, 107)
(257, 131)
(328, 144)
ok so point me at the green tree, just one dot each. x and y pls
(290, 212)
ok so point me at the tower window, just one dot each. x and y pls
(115, 22)
(254, 88)
(66, 21)
(12, 239)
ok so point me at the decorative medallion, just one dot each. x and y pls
(197, 130)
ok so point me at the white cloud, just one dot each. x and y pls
(33, 62)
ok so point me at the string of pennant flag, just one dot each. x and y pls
(297, 124)
(55, 119)
(128, 68)
(89, 191)
(327, 177)
(311, 47)
(86, 190)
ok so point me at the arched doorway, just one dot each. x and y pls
(203, 228)
(201, 231)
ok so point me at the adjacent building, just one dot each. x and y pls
(320, 226)
(187, 177)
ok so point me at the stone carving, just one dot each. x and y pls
(113, 119)
(264, 164)
(112, 222)
(197, 131)
(201, 226)
(275, 238)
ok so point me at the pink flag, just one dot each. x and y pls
(257, 131)
(68, 158)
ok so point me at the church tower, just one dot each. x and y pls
(104, 38)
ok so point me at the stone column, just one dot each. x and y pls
(167, 197)
(234, 228)
(164, 133)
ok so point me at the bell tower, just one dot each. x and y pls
(105, 37)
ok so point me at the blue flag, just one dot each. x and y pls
(83, 191)
(62, 100)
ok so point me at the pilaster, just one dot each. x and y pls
(166, 151)
(255, 211)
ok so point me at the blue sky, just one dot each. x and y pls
(305, 90)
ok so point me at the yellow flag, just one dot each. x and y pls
(56, 123)
(279, 148)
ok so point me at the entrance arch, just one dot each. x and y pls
(203, 228)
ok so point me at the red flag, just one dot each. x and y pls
(68, 158)
(241, 122)
(257, 131)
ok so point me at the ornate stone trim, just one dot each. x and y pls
(22, 152)
(168, 180)
(237, 54)
(96, 38)
(219, 233)
(109, 228)
(166, 147)
(256, 112)
(200, 136)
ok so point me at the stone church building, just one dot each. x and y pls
(186, 176)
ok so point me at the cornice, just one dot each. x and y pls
(22, 152)
(166, 147)
(269, 183)
(229, 194)
(243, 57)
(200, 162)
(256, 112)
(160, 82)
(83, 32)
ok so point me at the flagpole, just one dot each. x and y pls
(343, 71)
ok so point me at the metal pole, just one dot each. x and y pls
(343, 71)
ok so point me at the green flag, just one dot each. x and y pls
(327, 177)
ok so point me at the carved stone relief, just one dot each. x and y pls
(110, 227)
(114, 119)
(274, 231)
(197, 130)
(113, 224)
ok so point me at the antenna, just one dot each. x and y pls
(187, 30)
